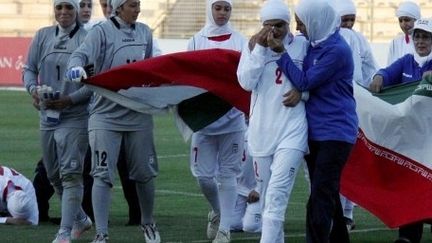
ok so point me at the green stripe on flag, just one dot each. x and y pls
(397, 93)
(202, 110)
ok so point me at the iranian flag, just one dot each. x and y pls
(389, 172)
(199, 86)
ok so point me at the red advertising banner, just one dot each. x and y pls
(13, 55)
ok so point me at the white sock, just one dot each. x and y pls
(210, 190)
(272, 231)
(70, 203)
(227, 201)
(101, 197)
(348, 209)
(146, 193)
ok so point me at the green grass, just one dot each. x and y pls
(180, 210)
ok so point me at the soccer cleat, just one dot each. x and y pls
(402, 240)
(212, 225)
(349, 224)
(222, 237)
(80, 227)
(151, 233)
(62, 238)
(100, 238)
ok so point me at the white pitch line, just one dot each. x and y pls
(187, 194)
(173, 156)
(13, 88)
(302, 235)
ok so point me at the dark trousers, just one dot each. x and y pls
(324, 215)
(44, 190)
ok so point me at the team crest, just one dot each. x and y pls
(235, 148)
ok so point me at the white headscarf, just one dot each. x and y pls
(275, 9)
(426, 25)
(115, 5)
(320, 19)
(345, 7)
(74, 3)
(211, 29)
(19, 204)
(408, 9)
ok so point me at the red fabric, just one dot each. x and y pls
(6, 190)
(213, 70)
(220, 38)
(407, 39)
(381, 181)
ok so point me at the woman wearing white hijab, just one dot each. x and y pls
(216, 150)
(278, 152)
(119, 40)
(328, 76)
(369, 66)
(63, 121)
(407, 13)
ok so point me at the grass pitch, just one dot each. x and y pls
(180, 209)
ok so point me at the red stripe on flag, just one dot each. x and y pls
(394, 188)
(214, 70)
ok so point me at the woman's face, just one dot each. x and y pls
(65, 14)
(279, 27)
(406, 24)
(422, 42)
(347, 21)
(106, 9)
(221, 12)
(85, 11)
(301, 27)
(129, 11)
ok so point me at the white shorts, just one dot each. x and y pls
(275, 179)
(216, 155)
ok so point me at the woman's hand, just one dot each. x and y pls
(377, 84)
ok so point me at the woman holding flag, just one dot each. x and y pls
(409, 68)
(118, 41)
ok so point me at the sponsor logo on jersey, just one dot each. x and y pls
(407, 75)
(128, 40)
(60, 47)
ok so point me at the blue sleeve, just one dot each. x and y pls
(325, 69)
(392, 74)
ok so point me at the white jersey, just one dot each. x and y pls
(233, 120)
(399, 48)
(11, 179)
(271, 124)
(353, 41)
(369, 65)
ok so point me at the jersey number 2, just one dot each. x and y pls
(278, 76)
